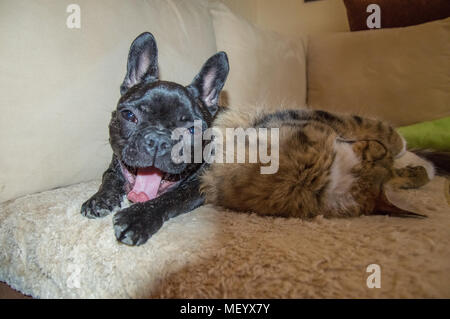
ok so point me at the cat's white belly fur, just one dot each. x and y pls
(337, 195)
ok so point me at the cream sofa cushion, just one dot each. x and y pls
(48, 250)
(59, 85)
(265, 67)
(401, 75)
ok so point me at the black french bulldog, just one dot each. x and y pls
(140, 136)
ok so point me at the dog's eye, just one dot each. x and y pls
(129, 116)
(183, 118)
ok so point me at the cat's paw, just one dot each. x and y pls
(369, 151)
(410, 177)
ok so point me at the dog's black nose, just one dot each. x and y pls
(157, 143)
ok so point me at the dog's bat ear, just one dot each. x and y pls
(210, 81)
(142, 63)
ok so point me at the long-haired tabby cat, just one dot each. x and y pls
(329, 164)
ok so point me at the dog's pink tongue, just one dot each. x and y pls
(146, 185)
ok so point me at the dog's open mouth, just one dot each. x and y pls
(146, 183)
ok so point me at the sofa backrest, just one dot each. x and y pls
(400, 75)
(59, 85)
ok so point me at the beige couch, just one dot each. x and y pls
(60, 85)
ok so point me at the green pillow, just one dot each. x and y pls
(431, 134)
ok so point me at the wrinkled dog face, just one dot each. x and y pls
(149, 110)
(143, 123)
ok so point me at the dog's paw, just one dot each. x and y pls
(99, 206)
(133, 226)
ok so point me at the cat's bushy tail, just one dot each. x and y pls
(440, 159)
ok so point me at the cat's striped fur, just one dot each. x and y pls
(329, 164)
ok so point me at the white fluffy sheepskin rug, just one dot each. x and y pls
(48, 250)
